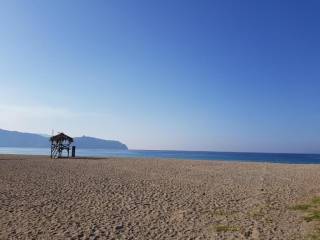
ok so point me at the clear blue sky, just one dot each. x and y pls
(194, 75)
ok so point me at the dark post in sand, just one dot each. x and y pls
(59, 143)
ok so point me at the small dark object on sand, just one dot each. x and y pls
(119, 227)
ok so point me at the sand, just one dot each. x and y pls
(120, 198)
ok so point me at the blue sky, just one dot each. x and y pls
(192, 75)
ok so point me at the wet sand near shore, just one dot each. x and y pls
(122, 198)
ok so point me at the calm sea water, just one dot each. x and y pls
(196, 155)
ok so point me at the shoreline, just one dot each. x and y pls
(27, 156)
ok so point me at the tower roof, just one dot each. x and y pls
(61, 137)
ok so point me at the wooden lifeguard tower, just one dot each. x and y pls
(59, 143)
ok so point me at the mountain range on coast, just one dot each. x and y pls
(31, 140)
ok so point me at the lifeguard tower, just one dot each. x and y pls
(59, 143)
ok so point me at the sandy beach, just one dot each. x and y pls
(120, 198)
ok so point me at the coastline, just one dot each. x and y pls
(285, 158)
(135, 198)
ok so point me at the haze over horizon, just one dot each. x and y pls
(174, 75)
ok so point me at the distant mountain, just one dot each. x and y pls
(19, 139)
(90, 142)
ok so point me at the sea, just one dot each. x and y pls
(192, 155)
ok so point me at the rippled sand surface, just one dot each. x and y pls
(120, 198)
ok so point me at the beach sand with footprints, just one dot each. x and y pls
(121, 198)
